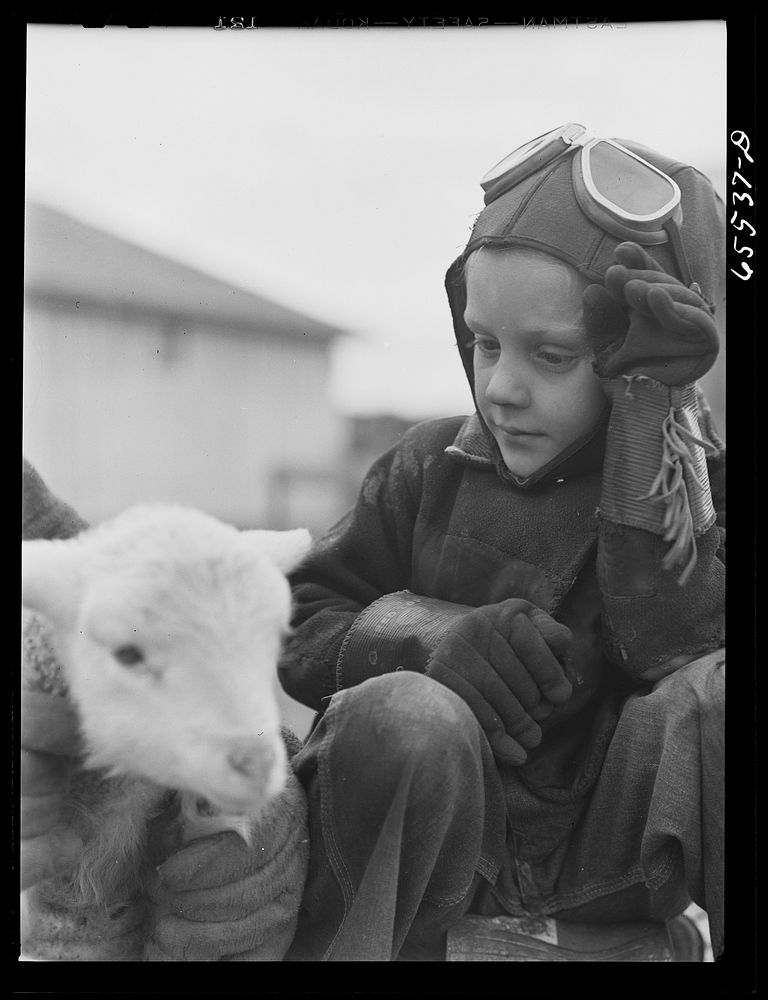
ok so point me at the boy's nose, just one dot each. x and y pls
(507, 388)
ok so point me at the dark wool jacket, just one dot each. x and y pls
(439, 528)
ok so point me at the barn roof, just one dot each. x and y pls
(70, 262)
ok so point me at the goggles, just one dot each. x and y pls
(618, 190)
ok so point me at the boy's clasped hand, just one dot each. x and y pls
(503, 660)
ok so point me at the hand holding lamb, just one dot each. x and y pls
(50, 738)
(49, 744)
(219, 896)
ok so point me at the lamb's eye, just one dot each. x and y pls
(128, 656)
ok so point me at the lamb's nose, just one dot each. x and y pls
(251, 758)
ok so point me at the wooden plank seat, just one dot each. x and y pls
(543, 939)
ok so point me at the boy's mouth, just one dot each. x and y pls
(516, 432)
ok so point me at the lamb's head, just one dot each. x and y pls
(168, 624)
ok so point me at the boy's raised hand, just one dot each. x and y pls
(502, 660)
(645, 322)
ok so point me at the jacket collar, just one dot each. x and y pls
(475, 445)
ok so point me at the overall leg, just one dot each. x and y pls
(658, 807)
(406, 816)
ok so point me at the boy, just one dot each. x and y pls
(483, 631)
(512, 640)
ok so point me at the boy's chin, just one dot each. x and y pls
(523, 466)
(523, 471)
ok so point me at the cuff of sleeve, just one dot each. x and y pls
(397, 632)
(655, 471)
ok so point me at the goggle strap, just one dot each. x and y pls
(670, 228)
(674, 236)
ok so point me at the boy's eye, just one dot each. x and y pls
(485, 346)
(558, 361)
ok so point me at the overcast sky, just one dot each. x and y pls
(337, 171)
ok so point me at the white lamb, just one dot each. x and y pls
(167, 624)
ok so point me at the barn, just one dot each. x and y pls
(145, 379)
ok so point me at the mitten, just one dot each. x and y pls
(652, 338)
(49, 724)
(645, 322)
(221, 899)
(49, 744)
(502, 659)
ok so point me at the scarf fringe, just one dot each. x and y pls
(669, 487)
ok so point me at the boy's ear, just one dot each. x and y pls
(51, 578)
(286, 549)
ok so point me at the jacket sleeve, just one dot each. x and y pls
(354, 615)
(661, 547)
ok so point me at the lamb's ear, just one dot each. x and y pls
(286, 549)
(51, 578)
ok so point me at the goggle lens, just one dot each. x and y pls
(627, 183)
(528, 158)
(519, 155)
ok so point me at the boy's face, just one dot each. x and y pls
(534, 383)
